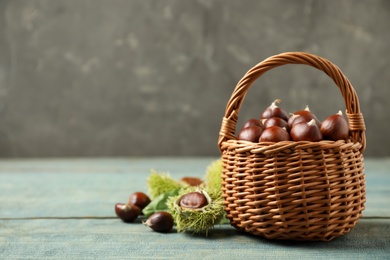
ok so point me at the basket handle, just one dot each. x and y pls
(355, 117)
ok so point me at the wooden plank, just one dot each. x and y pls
(90, 187)
(377, 172)
(56, 195)
(113, 239)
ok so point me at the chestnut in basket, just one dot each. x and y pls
(274, 134)
(251, 122)
(295, 119)
(306, 132)
(335, 127)
(275, 121)
(274, 111)
(251, 133)
(308, 115)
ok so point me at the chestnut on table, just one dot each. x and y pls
(63, 209)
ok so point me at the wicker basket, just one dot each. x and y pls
(294, 190)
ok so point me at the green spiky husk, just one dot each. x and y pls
(160, 183)
(196, 221)
(214, 178)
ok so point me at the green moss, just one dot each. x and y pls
(160, 183)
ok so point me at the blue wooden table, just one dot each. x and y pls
(64, 209)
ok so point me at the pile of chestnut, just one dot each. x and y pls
(276, 125)
(160, 221)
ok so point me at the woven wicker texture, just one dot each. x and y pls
(294, 190)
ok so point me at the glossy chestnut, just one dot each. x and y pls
(192, 181)
(274, 134)
(306, 132)
(193, 200)
(276, 121)
(139, 199)
(335, 127)
(274, 111)
(251, 122)
(127, 213)
(160, 222)
(308, 115)
(295, 119)
(251, 133)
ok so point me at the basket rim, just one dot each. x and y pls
(355, 117)
(270, 148)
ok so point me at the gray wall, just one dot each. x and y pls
(148, 77)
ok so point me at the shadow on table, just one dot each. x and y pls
(367, 234)
(219, 232)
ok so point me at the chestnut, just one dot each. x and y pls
(275, 121)
(139, 199)
(251, 133)
(295, 119)
(127, 213)
(308, 115)
(274, 111)
(251, 122)
(193, 200)
(160, 222)
(192, 181)
(274, 134)
(306, 132)
(335, 127)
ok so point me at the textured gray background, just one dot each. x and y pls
(134, 78)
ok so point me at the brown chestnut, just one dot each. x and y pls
(251, 133)
(306, 132)
(192, 181)
(275, 121)
(308, 115)
(274, 134)
(139, 199)
(251, 122)
(160, 222)
(274, 111)
(127, 213)
(335, 127)
(295, 119)
(193, 200)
